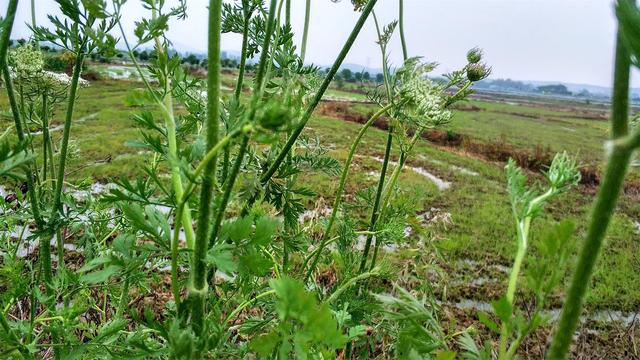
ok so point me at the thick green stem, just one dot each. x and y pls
(45, 138)
(305, 32)
(343, 180)
(603, 210)
(64, 148)
(57, 200)
(198, 288)
(47, 144)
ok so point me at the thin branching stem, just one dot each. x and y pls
(305, 31)
(266, 176)
(343, 180)
(403, 41)
(387, 153)
(226, 194)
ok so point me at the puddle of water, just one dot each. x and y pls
(28, 247)
(314, 214)
(362, 239)
(603, 316)
(435, 216)
(457, 168)
(60, 127)
(95, 189)
(440, 184)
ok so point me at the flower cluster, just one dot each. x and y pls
(422, 95)
(59, 79)
(26, 61)
(27, 67)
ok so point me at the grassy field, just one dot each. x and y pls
(469, 222)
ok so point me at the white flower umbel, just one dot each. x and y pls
(61, 79)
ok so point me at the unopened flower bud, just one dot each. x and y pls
(274, 116)
(474, 55)
(477, 72)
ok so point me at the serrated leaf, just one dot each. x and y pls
(239, 229)
(486, 320)
(503, 309)
(101, 275)
(266, 228)
(221, 256)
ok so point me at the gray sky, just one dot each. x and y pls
(548, 40)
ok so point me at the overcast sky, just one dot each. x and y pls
(548, 40)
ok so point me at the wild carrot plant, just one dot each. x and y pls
(217, 221)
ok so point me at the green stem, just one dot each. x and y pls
(45, 156)
(375, 213)
(387, 153)
(603, 210)
(71, 101)
(175, 241)
(288, 12)
(343, 180)
(266, 176)
(305, 32)
(57, 200)
(243, 58)
(33, 13)
(123, 298)
(226, 195)
(198, 287)
(336, 294)
(166, 107)
(405, 52)
(242, 306)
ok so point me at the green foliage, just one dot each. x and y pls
(305, 330)
(417, 330)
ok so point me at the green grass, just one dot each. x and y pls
(482, 228)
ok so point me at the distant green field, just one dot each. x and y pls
(480, 226)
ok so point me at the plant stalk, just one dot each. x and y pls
(605, 205)
(266, 176)
(198, 286)
(343, 180)
(305, 32)
(226, 195)
(405, 52)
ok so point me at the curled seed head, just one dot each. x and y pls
(474, 55)
(477, 72)
(274, 116)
